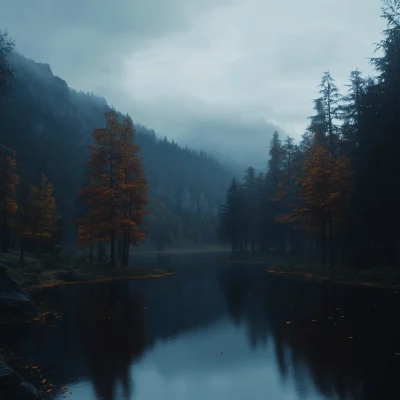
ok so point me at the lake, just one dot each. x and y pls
(214, 331)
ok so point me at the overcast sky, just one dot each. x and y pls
(209, 73)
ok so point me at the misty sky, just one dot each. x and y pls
(209, 73)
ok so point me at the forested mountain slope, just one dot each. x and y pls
(49, 125)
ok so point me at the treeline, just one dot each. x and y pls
(49, 126)
(112, 201)
(28, 217)
(336, 192)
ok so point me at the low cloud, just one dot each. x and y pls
(219, 74)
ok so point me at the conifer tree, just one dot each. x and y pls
(232, 223)
(117, 191)
(38, 217)
(324, 190)
(8, 187)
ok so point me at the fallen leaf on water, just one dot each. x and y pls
(44, 381)
(288, 322)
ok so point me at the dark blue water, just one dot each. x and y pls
(215, 331)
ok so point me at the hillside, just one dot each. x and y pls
(49, 125)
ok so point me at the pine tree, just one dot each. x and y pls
(117, 192)
(324, 190)
(251, 207)
(232, 221)
(9, 181)
(101, 193)
(273, 233)
(6, 73)
(38, 219)
(133, 191)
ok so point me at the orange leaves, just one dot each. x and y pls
(325, 182)
(39, 217)
(117, 192)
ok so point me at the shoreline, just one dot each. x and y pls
(378, 277)
(100, 279)
(183, 251)
(336, 279)
(47, 313)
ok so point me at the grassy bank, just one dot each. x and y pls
(388, 277)
(44, 271)
(182, 250)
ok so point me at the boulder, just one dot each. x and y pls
(14, 302)
(13, 387)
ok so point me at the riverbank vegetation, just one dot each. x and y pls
(44, 270)
(110, 209)
(114, 200)
(334, 196)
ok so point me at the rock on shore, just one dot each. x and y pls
(14, 302)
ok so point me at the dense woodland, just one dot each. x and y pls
(46, 133)
(336, 192)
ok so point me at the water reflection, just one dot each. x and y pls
(346, 337)
(218, 331)
(111, 335)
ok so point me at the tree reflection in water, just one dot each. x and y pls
(111, 335)
(343, 337)
(105, 329)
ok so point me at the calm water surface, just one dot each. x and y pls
(215, 331)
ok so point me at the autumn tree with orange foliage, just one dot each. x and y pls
(133, 191)
(117, 192)
(38, 217)
(324, 189)
(8, 190)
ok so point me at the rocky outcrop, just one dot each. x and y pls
(13, 387)
(14, 302)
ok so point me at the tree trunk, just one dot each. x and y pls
(99, 253)
(21, 258)
(323, 241)
(91, 254)
(128, 242)
(112, 247)
(330, 238)
(120, 253)
(123, 249)
(4, 233)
